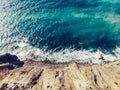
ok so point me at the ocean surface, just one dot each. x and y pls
(61, 30)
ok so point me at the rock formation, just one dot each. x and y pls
(39, 75)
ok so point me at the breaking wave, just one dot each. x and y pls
(62, 30)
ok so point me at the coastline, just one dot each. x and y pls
(46, 75)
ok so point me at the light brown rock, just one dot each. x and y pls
(35, 75)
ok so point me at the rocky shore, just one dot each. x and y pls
(45, 75)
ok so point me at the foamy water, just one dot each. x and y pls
(61, 31)
(18, 45)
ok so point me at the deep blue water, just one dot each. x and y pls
(60, 24)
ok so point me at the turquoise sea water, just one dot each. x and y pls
(63, 24)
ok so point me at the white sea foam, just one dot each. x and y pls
(18, 45)
(65, 55)
(62, 56)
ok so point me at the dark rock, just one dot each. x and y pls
(11, 59)
(8, 58)
(16, 87)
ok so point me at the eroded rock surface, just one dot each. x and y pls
(34, 75)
